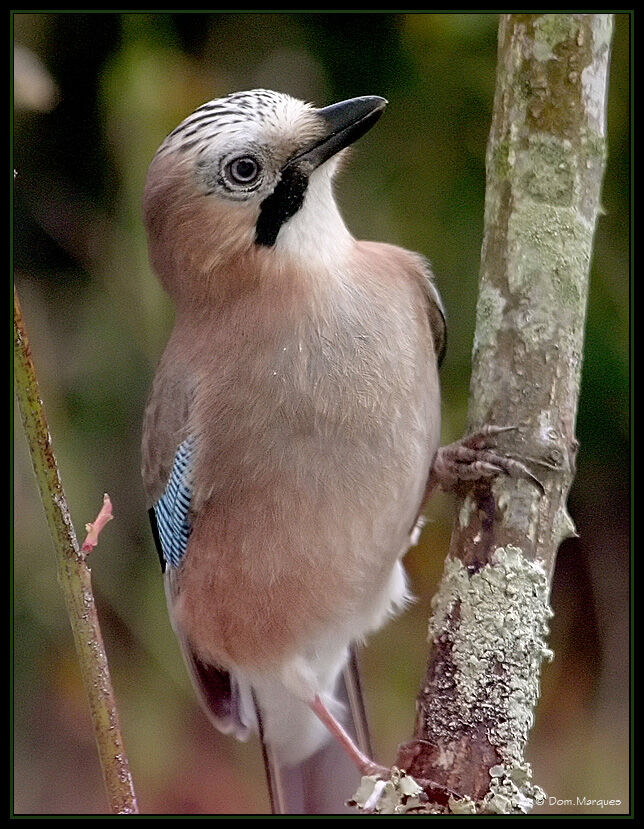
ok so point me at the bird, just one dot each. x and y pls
(291, 429)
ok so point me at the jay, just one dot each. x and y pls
(291, 435)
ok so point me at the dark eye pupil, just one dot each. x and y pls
(244, 170)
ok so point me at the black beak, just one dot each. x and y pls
(346, 122)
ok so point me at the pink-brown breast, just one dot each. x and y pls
(316, 404)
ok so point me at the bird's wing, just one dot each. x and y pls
(422, 274)
(435, 309)
(170, 514)
(167, 454)
(227, 703)
(169, 451)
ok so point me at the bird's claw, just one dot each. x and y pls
(373, 769)
(472, 458)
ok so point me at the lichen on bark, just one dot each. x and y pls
(495, 623)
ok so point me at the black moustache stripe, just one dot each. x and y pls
(283, 203)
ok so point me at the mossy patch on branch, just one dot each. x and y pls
(489, 314)
(549, 31)
(546, 172)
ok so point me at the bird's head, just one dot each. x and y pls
(249, 174)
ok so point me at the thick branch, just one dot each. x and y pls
(545, 163)
(74, 578)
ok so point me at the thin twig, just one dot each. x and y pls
(74, 578)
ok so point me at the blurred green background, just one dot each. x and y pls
(94, 96)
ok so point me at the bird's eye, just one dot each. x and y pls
(244, 170)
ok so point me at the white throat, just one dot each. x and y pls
(316, 234)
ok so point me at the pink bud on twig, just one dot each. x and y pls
(93, 530)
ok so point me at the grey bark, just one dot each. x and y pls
(545, 163)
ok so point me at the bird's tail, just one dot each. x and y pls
(325, 780)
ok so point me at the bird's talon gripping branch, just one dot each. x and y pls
(472, 458)
(484, 438)
(375, 769)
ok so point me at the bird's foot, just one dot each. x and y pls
(371, 768)
(473, 458)
(366, 766)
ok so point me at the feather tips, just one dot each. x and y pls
(172, 510)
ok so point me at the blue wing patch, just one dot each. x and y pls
(172, 509)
